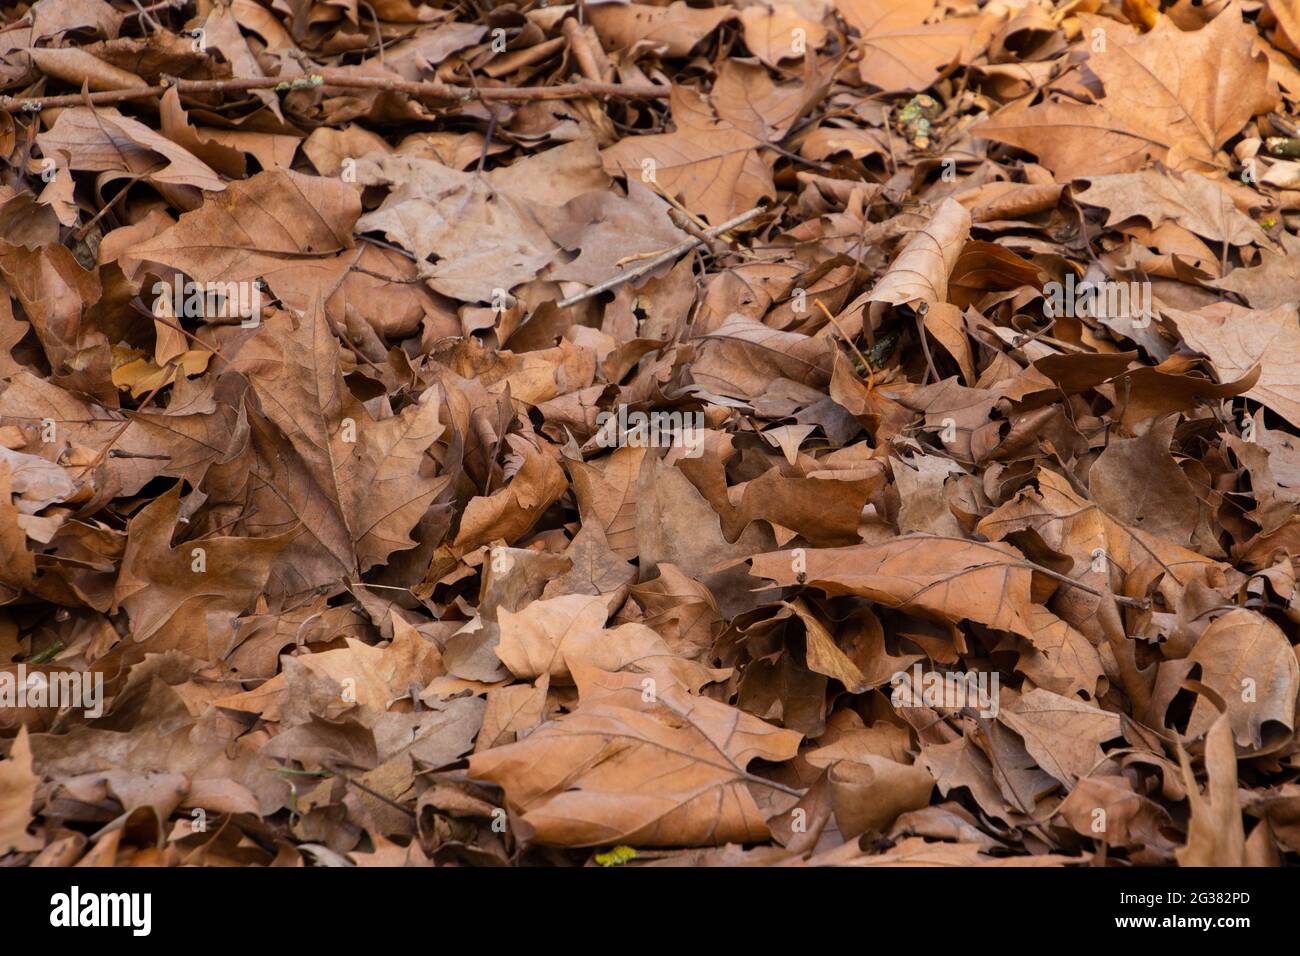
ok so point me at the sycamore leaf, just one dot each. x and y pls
(106, 142)
(1215, 834)
(901, 51)
(1191, 200)
(946, 578)
(1238, 340)
(711, 161)
(1170, 95)
(641, 768)
(364, 483)
(17, 791)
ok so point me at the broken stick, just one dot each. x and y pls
(667, 256)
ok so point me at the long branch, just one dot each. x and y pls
(343, 80)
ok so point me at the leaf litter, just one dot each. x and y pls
(798, 433)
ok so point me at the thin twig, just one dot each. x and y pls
(379, 32)
(352, 781)
(668, 255)
(796, 158)
(1055, 575)
(147, 17)
(687, 224)
(866, 363)
(84, 231)
(154, 8)
(921, 312)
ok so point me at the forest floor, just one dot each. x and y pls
(801, 432)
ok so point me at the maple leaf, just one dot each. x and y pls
(295, 232)
(674, 28)
(1215, 835)
(551, 637)
(770, 29)
(484, 239)
(222, 576)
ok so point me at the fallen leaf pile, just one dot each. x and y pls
(769, 432)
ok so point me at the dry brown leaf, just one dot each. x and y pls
(17, 791)
(1238, 340)
(901, 52)
(680, 773)
(1215, 836)
(1170, 95)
